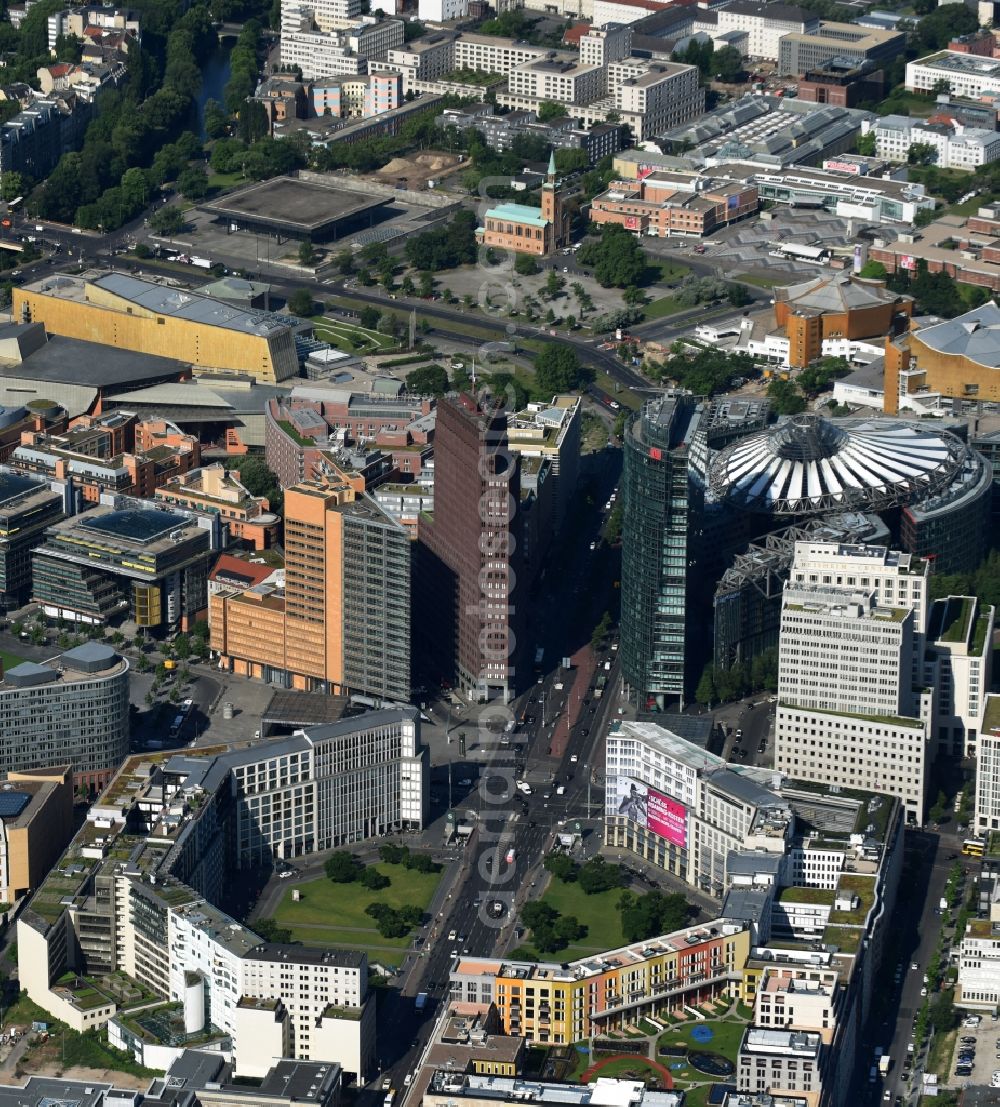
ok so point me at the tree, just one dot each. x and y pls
(425, 286)
(873, 271)
(561, 866)
(549, 110)
(445, 247)
(373, 880)
(215, 120)
(727, 64)
(601, 631)
(616, 256)
(182, 646)
(705, 692)
(392, 854)
(737, 295)
(269, 930)
(558, 369)
(427, 380)
(301, 303)
(652, 914)
(554, 284)
(866, 144)
(193, 184)
(369, 317)
(921, 153)
(598, 876)
(525, 265)
(13, 186)
(937, 811)
(307, 252)
(342, 867)
(785, 397)
(167, 220)
(407, 287)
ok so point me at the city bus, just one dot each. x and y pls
(972, 847)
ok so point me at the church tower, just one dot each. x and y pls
(552, 209)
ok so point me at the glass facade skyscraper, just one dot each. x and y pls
(662, 511)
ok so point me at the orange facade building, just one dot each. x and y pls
(837, 305)
(664, 204)
(338, 618)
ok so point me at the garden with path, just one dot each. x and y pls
(686, 1053)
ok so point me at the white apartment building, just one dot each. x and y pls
(492, 54)
(790, 998)
(653, 97)
(979, 965)
(425, 59)
(785, 1060)
(320, 55)
(684, 809)
(564, 81)
(956, 146)
(966, 75)
(987, 816)
(345, 52)
(765, 24)
(440, 11)
(327, 15)
(614, 11)
(601, 46)
(850, 644)
(958, 662)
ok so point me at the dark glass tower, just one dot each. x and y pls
(663, 508)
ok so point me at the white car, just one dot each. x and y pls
(593, 545)
(561, 790)
(573, 760)
(286, 874)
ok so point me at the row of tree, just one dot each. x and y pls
(723, 685)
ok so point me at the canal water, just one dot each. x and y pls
(214, 76)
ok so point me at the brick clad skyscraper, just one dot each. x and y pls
(470, 552)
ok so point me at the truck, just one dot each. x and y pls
(883, 1064)
(421, 1001)
(390, 1097)
(510, 856)
(602, 682)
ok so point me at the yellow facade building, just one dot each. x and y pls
(552, 1003)
(119, 310)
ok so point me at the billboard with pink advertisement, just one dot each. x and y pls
(652, 809)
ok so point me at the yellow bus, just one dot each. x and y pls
(973, 848)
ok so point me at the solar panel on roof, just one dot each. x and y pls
(13, 803)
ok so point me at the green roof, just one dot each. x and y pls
(518, 213)
(807, 895)
(955, 619)
(887, 720)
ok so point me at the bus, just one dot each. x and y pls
(972, 847)
(797, 251)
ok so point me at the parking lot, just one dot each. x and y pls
(987, 1053)
(744, 247)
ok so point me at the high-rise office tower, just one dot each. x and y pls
(662, 510)
(851, 710)
(470, 553)
(342, 622)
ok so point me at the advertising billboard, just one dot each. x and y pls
(631, 223)
(907, 262)
(652, 809)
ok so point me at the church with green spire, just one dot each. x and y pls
(529, 230)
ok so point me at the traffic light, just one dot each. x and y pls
(461, 743)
